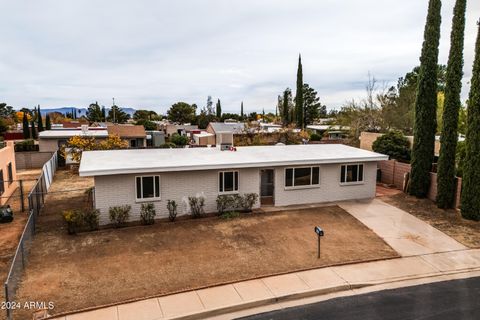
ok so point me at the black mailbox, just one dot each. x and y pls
(319, 231)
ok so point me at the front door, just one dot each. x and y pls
(266, 187)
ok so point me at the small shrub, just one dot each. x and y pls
(248, 201)
(196, 206)
(119, 215)
(315, 137)
(224, 202)
(91, 219)
(230, 215)
(178, 139)
(393, 144)
(74, 220)
(168, 145)
(147, 213)
(172, 210)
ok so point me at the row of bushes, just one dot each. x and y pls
(88, 220)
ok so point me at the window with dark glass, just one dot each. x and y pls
(306, 176)
(10, 173)
(2, 183)
(228, 181)
(351, 173)
(148, 187)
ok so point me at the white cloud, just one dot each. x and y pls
(153, 53)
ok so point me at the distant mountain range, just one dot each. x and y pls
(80, 111)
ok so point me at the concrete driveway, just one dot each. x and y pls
(408, 235)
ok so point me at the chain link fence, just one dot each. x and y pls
(36, 199)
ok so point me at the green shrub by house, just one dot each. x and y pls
(172, 210)
(119, 215)
(147, 213)
(197, 205)
(393, 144)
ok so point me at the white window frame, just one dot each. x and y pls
(154, 189)
(352, 183)
(238, 182)
(311, 185)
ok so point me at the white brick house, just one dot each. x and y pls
(281, 175)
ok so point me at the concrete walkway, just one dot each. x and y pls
(425, 251)
(408, 235)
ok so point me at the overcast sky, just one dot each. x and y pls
(150, 54)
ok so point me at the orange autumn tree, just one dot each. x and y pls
(77, 144)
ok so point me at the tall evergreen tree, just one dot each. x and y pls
(48, 123)
(299, 112)
(471, 173)
(26, 129)
(426, 105)
(218, 109)
(104, 114)
(39, 119)
(34, 132)
(241, 110)
(453, 88)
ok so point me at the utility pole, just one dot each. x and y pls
(113, 107)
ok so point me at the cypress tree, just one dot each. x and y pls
(299, 97)
(34, 132)
(39, 120)
(26, 129)
(446, 163)
(426, 105)
(48, 124)
(241, 110)
(104, 114)
(219, 109)
(471, 173)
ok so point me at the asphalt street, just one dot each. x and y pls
(456, 299)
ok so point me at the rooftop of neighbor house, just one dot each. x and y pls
(324, 127)
(203, 134)
(97, 163)
(68, 133)
(127, 131)
(235, 127)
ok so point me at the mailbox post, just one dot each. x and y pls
(320, 233)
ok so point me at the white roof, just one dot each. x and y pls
(203, 134)
(60, 134)
(324, 127)
(97, 163)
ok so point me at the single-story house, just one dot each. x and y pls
(8, 171)
(204, 138)
(155, 138)
(134, 134)
(51, 140)
(280, 175)
(333, 132)
(224, 131)
(270, 127)
(181, 129)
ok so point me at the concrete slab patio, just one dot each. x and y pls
(408, 235)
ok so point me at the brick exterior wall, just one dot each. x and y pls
(120, 189)
(7, 156)
(330, 188)
(31, 160)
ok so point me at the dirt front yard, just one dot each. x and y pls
(115, 265)
(448, 221)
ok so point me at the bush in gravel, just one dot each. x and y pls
(172, 210)
(119, 215)
(74, 220)
(248, 201)
(90, 219)
(147, 213)
(196, 206)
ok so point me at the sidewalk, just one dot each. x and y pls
(425, 251)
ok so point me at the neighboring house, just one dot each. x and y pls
(332, 132)
(181, 129)
(8, 172)
(155, 138)
(224, 131)
(134, 134)
(368, 138)
(281, 175)
(270, 127)
(204, 138)
(51, 140)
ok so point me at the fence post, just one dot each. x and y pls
(393, 174)
(22, 195)
(9, 312)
